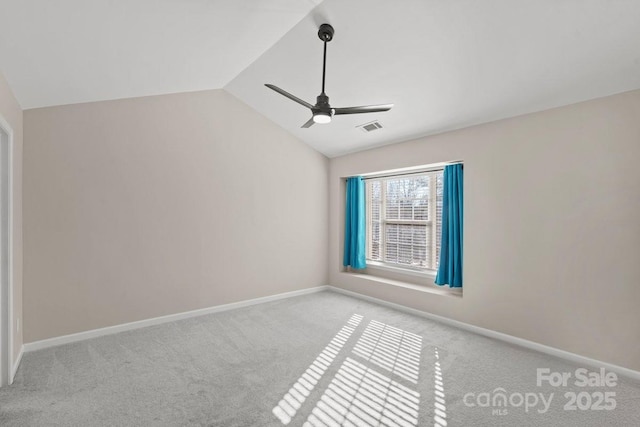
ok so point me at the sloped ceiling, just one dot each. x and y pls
(71, 51)
(445, 64)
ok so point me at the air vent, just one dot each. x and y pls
(370, 127)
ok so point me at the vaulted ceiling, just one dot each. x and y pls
(445, 64)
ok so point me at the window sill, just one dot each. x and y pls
(426, 288)
(373, 266)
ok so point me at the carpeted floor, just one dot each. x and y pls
(314, 360)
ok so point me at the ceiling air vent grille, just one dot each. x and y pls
(370, 127)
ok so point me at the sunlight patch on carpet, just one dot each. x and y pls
(298, 393)
(440, 410)
(360, 396)
(392, 349)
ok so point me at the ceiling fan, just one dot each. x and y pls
(322, 111)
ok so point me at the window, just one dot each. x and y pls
(404, 217)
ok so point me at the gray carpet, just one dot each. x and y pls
(315, 360)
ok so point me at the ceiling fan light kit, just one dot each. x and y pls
(322, 110)
(321, 117)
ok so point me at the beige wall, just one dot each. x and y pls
(12, 113)
(151, 206)
(145, 207)
(552, 226)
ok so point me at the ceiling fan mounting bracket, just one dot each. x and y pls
(325, 33)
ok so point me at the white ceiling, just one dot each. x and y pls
(70, 51)
(445, 64)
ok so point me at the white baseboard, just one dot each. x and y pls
(81, 336)
(572, 357)
(16, 365)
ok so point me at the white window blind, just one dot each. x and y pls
(404, 217)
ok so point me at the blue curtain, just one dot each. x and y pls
(355, 222)
(450, 268)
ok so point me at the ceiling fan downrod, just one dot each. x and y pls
(325, 33)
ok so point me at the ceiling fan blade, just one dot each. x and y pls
(288, 95)
(362, 109)
(309, 123)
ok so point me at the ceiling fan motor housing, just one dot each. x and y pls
(322, 105)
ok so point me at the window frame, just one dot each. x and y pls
(430, 223)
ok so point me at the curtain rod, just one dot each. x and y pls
(415, 172)
(402, 174)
